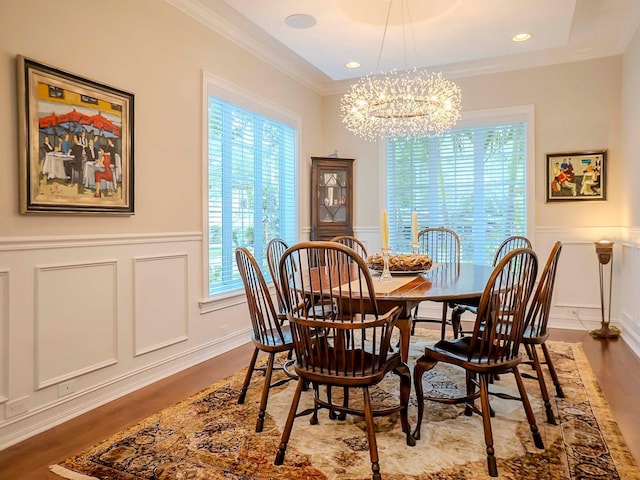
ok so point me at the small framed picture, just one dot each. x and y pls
(576, 176)
(76, 143)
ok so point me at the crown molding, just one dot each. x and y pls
(231, 32)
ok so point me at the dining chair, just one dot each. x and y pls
(353, 243)
(493, 348)
(442, 245)
(275, 249)
(349, 349)
(536, 331)
(508, 244)
(269, 336)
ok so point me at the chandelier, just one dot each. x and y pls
(401, 104)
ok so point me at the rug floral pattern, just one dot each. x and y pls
(209, 436)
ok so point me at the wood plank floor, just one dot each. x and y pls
(614, 364)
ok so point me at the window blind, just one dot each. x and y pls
(472, 180)
(252, 194)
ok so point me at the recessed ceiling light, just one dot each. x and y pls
(300, 20)
(521, 37)
(352, 64)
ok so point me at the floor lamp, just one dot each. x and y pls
(604, 250)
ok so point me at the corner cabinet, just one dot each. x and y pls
(331, 197)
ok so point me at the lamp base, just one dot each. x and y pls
(605, 331)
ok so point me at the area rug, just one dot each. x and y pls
(209, 436)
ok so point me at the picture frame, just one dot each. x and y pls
(75, 143)
(576, 176)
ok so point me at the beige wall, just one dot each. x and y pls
(153, 50)
(577, 107)
(75, 307)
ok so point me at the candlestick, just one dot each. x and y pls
(385, 276)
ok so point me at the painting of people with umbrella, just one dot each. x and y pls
(77, 155)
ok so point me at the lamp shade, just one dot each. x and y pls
(604, 250)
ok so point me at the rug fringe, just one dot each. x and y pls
(68, 474)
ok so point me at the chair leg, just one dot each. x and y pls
(371, 435)
(456, 321)
(537, 439)
(421, 366)
(492, 465)
(265, 393)
(345, 403)
(443, 329)
(552, 371)
(286, 433)
(543, 385)
(247, 378)
(527, 349)
(471, 388)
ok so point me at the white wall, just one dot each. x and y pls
(95, 306)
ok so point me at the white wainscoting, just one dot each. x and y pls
(91, 318)
(76, 320)
(160, 297)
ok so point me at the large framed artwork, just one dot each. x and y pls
(76, 143)
(576, 176)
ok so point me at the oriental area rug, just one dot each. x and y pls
(209, 436)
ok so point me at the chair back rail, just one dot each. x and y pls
(510, 243)
(275, 249)
(264, 319)
(440, 243)
(537, 320)
(355, 339)
(353, 243)
(499, 325)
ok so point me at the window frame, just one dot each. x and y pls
(478, 118)
(213, 85)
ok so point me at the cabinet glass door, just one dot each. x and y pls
(332, 189)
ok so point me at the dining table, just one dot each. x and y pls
(445, 282)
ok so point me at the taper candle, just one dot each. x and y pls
(385, 229)
(414, 227)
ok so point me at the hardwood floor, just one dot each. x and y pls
(614, 364)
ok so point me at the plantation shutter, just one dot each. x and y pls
(252, 193)
(471, 180)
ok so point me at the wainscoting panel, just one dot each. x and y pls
(160, 299)
(76, 320)
(4, 334)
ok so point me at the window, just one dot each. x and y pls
(473, 179)
(251, 183)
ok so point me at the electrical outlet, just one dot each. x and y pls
(17, 407)
(224, 330)
(66, 388)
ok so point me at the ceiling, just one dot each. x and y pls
(458, 37)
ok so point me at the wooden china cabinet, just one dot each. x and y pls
(331, 197)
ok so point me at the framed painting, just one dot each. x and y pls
(576, 176)
(75, 141)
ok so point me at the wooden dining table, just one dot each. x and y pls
(447, 282)
(457, 283)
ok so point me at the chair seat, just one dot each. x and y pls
(458, 353)
(530, 337)
(272, 342)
